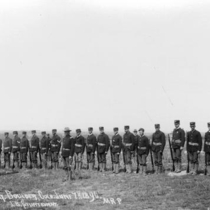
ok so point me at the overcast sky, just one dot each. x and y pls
(82, 63)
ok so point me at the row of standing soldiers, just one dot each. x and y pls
(131, 144)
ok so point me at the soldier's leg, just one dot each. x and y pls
(208, 163)
(6, 160)
(103, 156)
(160, 162)
(144, 160)
(124, 160)
(138, 162)
(129, 161)
(88, 160)
(195, 157)
(117, 160)
(175, 159)
(17, 159)
(179, 160)
(57, 161)
(155, 156)
(141, 165)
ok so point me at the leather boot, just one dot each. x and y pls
(103, 166)
(160, 169)
(156, 170)
(79, 170)
(196, 169)
(178, 167)
(90, 166)
(129, 168)
(114, 168)
(117, 169)
(140, 170)
(144, 170)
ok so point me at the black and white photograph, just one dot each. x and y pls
(105, 104)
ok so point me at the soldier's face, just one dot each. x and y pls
(141, 132)
(54, 132)
(66, 133)
(89, 131)
(157, 129)
(176, 125)
(101, 131)
(209, 128)
(78, 133)
(135, 133)
(115, 132)
(126, 130)
(192, 127)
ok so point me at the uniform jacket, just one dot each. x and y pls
(7, 145)
(136, 139)
(55, 143)
(67, 146)
(49, 145)
(142, 146)
(0, 145)
(16, 144)
(91, 143)
(178, 138)
(34, 144)
(116, 143)
(79, 144)
(24, 145)
(44, 145)
(158, 141)
(207, 142)
(128, 142)
(194, 141)
(103, 143)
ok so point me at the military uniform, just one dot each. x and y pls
(34, 149)
(178, 141)
(0, 150)
(128, 149)
(142, 149)
(16, 150)
(194, 146)
(158, 145)
(102, 149)
(55, 148)
(7, 150)
(116, 146)
(49, 155)
(207, 149)
(135, 155)
(24, 146)
(90, 149)
(44, 147)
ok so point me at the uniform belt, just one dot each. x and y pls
(22, 147)
(193, 144)
(54, 145)
(128, 145)
(78, 145)
(177, 141)
(157, 144)
(101, 144)
(142, 148)
(116, 146)
(207, 143)
(14, 146)
(90, 145)
(66, 149)
(33, 146)
(44, 148)
(6, 147)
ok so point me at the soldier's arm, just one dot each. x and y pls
(182, 138)
(205, 138)
(163, 138)
(187, 141)
(107, 143)
(200, 140)
(72, 147)
(59, 143)
(10, 144)
(133, 142)
(0, 145)
(147, 146)
(94, 144)
(120, 140)
(83, 145)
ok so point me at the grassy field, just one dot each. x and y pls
(106, 191)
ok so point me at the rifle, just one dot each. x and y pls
(152, 162)
(188, 165)
(205, 171)
(173, 167)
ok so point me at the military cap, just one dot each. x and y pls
(90, 128)
(115, 129)
(192, 123)
(135, 131)
(208, 124)
(48, 134)
(33, 131)
(157, 125)
(176, 121)
(66, 129)
(15, 132)
(141, 129)
(54, 130)
(78, 130)
(24, 132)
(43, 132)
(6, 133)
(126, 127)
(101, 128)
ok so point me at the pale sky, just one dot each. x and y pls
(81, 63)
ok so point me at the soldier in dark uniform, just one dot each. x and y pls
(142, 149)
(49, 155)
(116, 146)
(194, 146)
(90, 149)
(16, 150)
(34, 148)
(102, 148)
(67, 152)
(44, 146)
(55, 148)
(135, 154)
(24, 146)
(207, 149)
(7, 150)
(158, 145)
(79, 148)
(178, 141)
(128, 149)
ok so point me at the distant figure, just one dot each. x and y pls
(207, 149)
(178, 141)
(135, 155)
(24, 146)
(16, 150)
(158, 145)
(44, 146)
(91, 148)
(49, 155)
(34, 148)
(7, 150)
(194, 146)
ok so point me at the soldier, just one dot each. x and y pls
(142, 149)
(158, 145)
(135, 154)
(7, 150)
(129, 146)
(79, 148)
(194, 146)
(178, 141)
(67, 152)
(24, 146)
(91, 149)
(207, 149)
(0, 150)
(44, 146)
(55, 148)
(102, 148)
(116, 146)
(15, 150)
(34, 148)
(49, 155)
